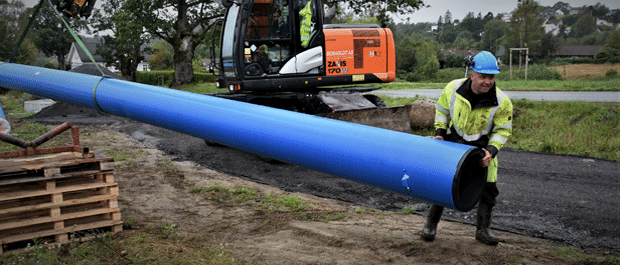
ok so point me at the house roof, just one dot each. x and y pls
(91, 46)
(578, 50)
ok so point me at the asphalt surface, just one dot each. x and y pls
(569, 199)
(597, 96)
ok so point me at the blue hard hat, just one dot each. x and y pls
(485, 63)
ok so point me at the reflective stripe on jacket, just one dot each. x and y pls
(481, 125)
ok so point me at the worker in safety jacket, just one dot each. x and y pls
(306, 24)
(475, 112)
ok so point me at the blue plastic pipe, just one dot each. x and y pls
(439, 172)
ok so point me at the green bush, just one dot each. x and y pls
(165, 77)
(611, 73)
(607, 55)
(204, 77)
(541, 72)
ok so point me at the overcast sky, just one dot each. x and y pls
(460, 8)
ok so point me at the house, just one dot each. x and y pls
(551, 12)
(506, 17)
(434, 28)
(77, 56)
(572, 51)
(552, 26)
(601, 22)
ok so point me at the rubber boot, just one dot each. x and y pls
(483, 221)
(430, 228)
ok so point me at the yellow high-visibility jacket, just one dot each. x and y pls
(487, 125)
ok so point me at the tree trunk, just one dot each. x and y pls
(183, 43)
(61, 61)
(183, 70)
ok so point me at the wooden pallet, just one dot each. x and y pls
(56, 198)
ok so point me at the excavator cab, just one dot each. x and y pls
(265, 41)
(284, 46)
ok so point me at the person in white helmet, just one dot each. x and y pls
(475, 112)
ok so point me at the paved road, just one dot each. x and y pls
(598, 96)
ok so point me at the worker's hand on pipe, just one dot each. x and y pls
(438, 137)
(486, 160)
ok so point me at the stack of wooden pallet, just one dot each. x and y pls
(55, 199)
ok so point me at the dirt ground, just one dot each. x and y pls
(154, 189)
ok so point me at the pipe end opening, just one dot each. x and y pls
(469, 180)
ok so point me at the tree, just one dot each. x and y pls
(380, 8)
(447, 18)
(488, 17)
(182, 23)
(51, 35)
(426, 57)
(614, 40)
(439, 25)
(161, 59)
(548, 45)
(611, 52)
(599, 10)
(561, 6)
(464, 41)
(126, 47)
(448, 35)
(472, 24)
(525, 30)
(10, 30)
(586, 24)
(494, 31)
(615, 16)
(405, 48)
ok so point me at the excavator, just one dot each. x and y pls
(287, 54)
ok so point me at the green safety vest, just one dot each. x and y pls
(453, 110)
